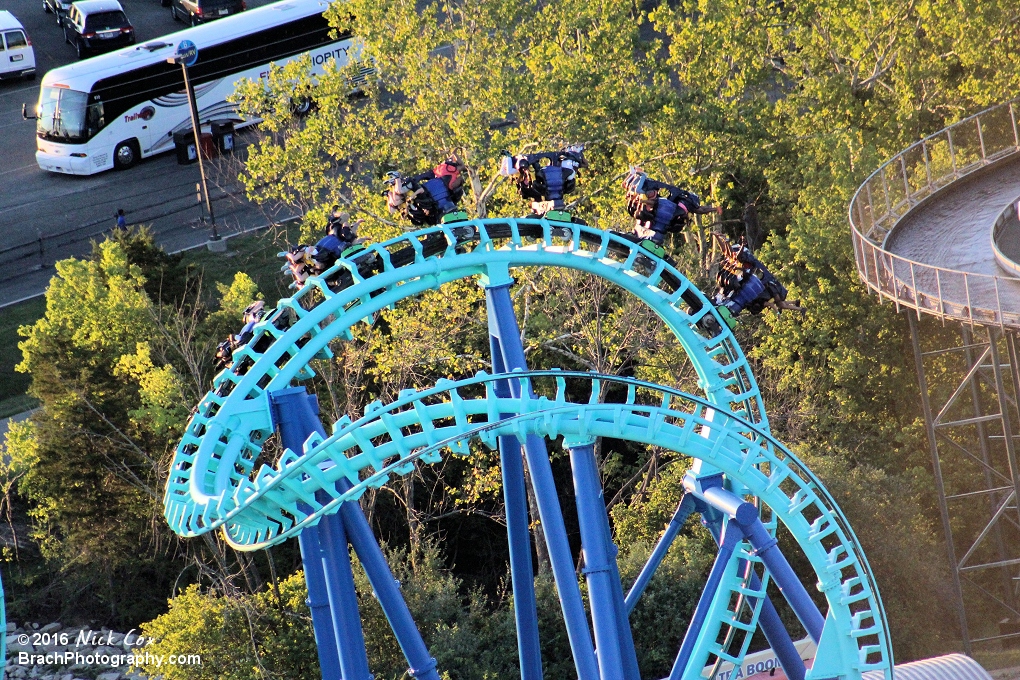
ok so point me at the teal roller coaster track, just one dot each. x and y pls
(744, 483)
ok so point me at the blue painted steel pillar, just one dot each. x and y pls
(613, 639)
(768, 619)
(732, 535)
(291, 409)
(336, 562)
(501, 307)
(683, 511)
(765, 546)
(386, 588)
(515, 500)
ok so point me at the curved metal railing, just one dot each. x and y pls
(906, 180)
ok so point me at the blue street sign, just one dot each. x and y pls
(187, 53)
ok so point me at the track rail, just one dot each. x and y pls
(232, 422)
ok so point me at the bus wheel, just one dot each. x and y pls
(125, 155)
(173, 11)
(80, 47)
(301, 106)
(46, 8)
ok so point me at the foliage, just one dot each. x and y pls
(116, 371)
(237, 638)
(260, 636)
(472, 79)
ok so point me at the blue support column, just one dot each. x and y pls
(336, 562)
(318, 602)
(732, 535)
(775, 630)
(765, 546)
(515, 501)
(501, 308)
(683, 511)
(613, 639)
(300, 411)
(296, 419)
(386, 588)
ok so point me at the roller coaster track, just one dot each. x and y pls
(213, 483)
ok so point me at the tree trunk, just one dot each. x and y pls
(541, 549)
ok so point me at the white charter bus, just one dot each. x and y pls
(112, 110)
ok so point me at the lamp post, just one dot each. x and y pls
(186, 55)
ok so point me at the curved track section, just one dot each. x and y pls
(390, 439)
(213, 484)
(227, 432)
(923, 224)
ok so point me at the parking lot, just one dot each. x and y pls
(35, 204)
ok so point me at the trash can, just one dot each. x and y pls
(208, 146)
(184, 144)
(223, 134)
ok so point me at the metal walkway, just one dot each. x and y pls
(922, 223)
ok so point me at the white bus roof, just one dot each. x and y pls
(83, 74)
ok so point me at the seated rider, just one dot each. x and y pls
(430, 197)
(252, 315)
(545, 185)
(746, 283)
(304, 261)
(659, 208)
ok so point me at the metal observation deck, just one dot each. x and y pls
(936, 230)
(744, 483)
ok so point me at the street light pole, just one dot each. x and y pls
(187, 54)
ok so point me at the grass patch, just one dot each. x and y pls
(13, 385)
(255, 255)
(994, 660)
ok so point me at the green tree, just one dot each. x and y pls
(473, 77)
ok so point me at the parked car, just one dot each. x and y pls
(58, 7)
(199, 11)
(94, 26)
(17, 58)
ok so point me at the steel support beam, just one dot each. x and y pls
(940, 487)
(501, 309)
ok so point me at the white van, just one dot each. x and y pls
(17, 58)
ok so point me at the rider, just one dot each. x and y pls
(746, 283)
(304, 261)
(659, 208)
(253, 313)
(545, 185)
(431, 197)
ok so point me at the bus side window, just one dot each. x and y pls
(95, 120)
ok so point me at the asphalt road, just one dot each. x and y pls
(37, 204)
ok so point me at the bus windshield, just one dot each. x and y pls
(62, 116)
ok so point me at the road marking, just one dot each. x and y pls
(7, 172)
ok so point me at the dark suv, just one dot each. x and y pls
(94, 26)
(200, 11)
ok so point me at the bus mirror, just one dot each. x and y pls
(24, 112)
